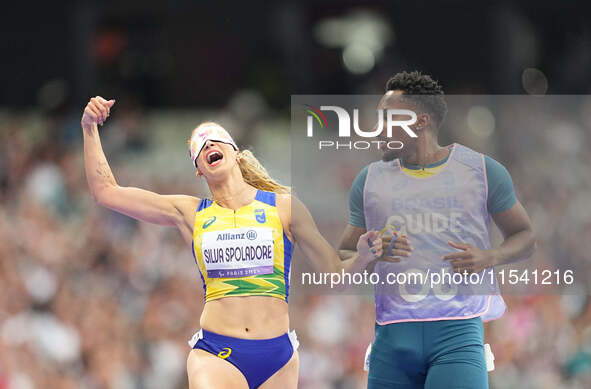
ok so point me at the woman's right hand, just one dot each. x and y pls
(96, 112)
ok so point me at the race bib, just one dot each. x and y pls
(238, 252)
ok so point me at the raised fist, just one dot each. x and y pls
(96, 112)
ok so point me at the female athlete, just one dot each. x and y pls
(242, 240)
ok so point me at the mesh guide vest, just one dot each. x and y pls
(450, 205)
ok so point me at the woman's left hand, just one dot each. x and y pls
(369, 246)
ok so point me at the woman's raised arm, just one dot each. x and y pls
(171, 210)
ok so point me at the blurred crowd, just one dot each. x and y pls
(92, 299)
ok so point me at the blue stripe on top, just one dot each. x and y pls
(204, 203)
(201, 274)
(270, 198)
(262, 196)
(266, 197)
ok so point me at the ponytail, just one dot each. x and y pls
(256, 175)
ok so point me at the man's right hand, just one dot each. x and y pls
(401, 248)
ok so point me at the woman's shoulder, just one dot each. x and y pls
(187, 204)
(283, 199)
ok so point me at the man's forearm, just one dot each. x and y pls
(518, 246)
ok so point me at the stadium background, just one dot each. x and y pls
(92, 299)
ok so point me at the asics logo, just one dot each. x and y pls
(225, 353)
(208, 222)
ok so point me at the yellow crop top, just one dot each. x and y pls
(243, 252)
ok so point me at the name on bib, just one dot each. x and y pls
(238, 252)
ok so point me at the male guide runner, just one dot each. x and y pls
(441, 200)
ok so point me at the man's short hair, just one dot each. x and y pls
(422, 90)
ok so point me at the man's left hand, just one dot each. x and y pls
(470, 259)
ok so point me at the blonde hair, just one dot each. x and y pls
(253, 172)
(256, 175)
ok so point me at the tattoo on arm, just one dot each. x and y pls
(103, 170)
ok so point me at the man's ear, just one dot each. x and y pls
(423, 121)
(198, 173)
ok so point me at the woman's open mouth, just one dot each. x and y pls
(214, 157)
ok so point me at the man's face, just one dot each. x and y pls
(392, 100)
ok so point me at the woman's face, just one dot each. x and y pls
(216, 158)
